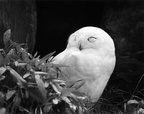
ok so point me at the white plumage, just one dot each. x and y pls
(89, 55)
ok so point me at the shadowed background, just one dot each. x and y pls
(123, 20)
(45, 25)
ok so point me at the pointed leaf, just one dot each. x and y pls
(59, 81)
(41, 85)
(40, 73)
(141, 104)
(47, 108)
(79, 95)
(41, 111)
(78, 85)
(58, 65)
(9, 46)
(2, 70)
(2, 110)
(16, 75)
(1, 58)
(26, 75)
(9, 94)
(6, 36)
(47, 56)
(55, 88)
(36, 111)
(22, 64)
(72, 106)
(35, 94)
(75, 83)
(35, 54)
(66, 92)
(2, 77)
(17, 101)
(132, 102)
(55, 101)
(27, 94)
(46, 84)
(51, 58)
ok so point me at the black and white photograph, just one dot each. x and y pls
(71, 57)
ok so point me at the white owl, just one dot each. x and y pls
(90, 56)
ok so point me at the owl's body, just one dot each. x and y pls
(90, 56)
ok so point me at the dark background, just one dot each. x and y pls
(45, 25)
(123, 20)
(56, 20)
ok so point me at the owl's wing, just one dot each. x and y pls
(80, 65)
(69, 59)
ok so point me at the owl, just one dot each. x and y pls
(89, 56)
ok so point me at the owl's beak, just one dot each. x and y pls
(80, 46)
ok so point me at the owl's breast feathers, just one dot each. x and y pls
(92, 61)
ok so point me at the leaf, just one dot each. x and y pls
(35, 54)
(7, 36)
(66, 100)
(10, 44)
(77, 86)
(80, 110)
(2, 70)
(32, 84)
(24, 110)
(55, 101)
(50, 58)
(132, 102)
(41, 111)
(72, 106)
(9, 94)
(47, 57)
(26, 94)
(25, 55)
(35, 94)
(38, 110)
(79, 95)
(1, 58)
(18, 48)
(41, 85)
(58, 87)
(2, 96)
(59, 81)
(2, 110)
(58, 65)
(26, 75)
(40, 73)
(2, 77)
(47, 107)
(66, 92)
(46, 84)
(74, 83)
(20, 64)
(17, 101)
(141, 103)
(55, 88)
(16, 75)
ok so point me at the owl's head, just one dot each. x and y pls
(91, 38)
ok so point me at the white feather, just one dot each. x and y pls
(90, 55)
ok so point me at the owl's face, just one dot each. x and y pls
(91, 38)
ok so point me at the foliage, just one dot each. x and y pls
(32, 85)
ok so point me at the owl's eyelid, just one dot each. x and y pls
(91, 39)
